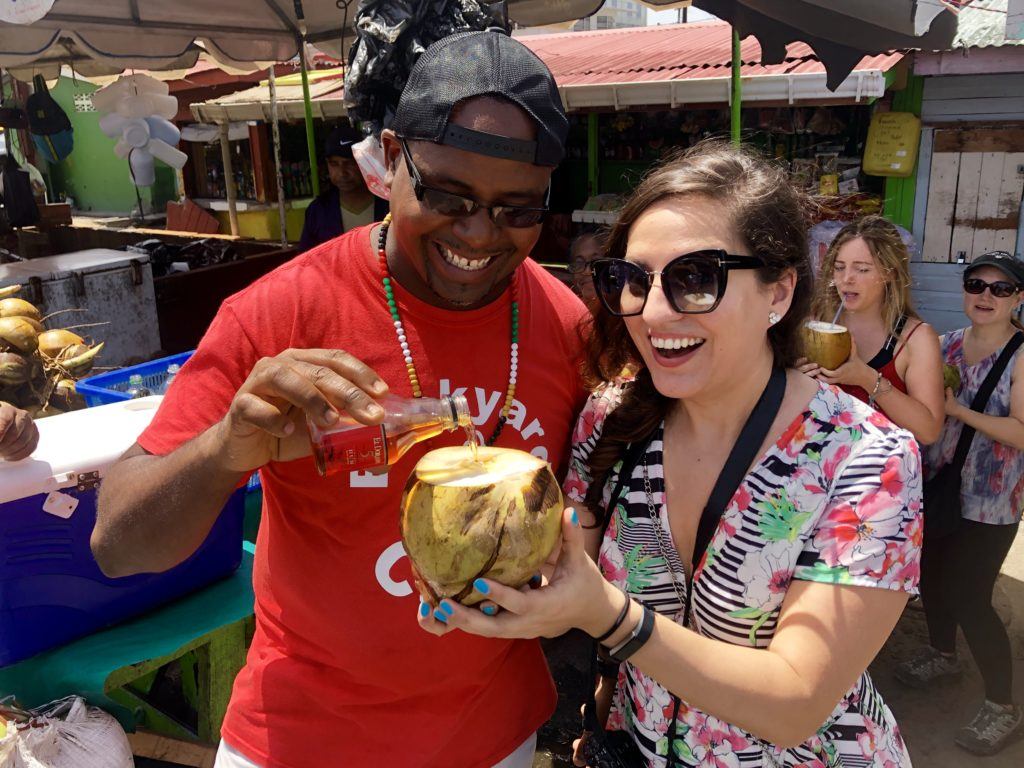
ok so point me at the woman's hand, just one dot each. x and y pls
(575, 595)
(808, 367)
(853, 373)
(954, 408)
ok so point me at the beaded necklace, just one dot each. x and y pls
(403, 341)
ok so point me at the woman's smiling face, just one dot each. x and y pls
(690, 355)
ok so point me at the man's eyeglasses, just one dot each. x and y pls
(1001, 289)
(459, 206)
(694, 283)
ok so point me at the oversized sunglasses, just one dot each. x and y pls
(460, 206)
(1001, 289)
(693, 283)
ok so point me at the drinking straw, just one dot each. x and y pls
(835, 320)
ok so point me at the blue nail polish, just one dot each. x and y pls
(424, 609)
(443, 618)
(490, 610)
(446, 607)
(481, 586)
(575, 518)
(535, 580)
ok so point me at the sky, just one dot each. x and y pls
(670, 17)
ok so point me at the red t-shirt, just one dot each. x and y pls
(339, 671)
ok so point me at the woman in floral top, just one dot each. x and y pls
(959, 571)
(813, 558)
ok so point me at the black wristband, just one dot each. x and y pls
(618, 621)
(640, 635)
(606, 667)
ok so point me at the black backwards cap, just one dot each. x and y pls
(1010, 266)
(489, 63)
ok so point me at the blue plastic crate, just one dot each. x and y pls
(112, 387)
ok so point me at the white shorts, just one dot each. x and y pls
(522, 757)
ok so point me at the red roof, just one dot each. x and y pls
(672, 52)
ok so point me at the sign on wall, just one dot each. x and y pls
(891, 148)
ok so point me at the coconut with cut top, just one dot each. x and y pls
(827, 344)
(496, 517)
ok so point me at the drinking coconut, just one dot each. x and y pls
(826, 344)
(497, 517)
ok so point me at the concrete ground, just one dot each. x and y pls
(929, 719)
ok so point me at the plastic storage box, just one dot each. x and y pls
(112, 387)
(51, 589)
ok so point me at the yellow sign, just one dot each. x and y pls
(891, 148)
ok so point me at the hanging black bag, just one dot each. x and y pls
(942, 506)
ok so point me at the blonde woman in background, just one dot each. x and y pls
(895, 365)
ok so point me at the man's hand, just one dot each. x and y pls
(19, 435)
(266, 419)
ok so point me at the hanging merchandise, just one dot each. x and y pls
(137, 110)
(19, 201)
(48, 123)
(390, 38)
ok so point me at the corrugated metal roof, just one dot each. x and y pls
(672, 52)
(982, 24)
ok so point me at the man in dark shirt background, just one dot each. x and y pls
(347, 204)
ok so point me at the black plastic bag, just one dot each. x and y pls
(390, 36)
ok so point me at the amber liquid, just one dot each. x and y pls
(474, 444)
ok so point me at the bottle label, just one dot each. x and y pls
(356, 448)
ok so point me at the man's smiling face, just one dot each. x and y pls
(463, 262)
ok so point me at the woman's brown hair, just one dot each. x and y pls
(771, 217)
(893, 259)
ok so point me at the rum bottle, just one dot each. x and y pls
(348, 445)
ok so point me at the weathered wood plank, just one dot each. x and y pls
(156, 747)
(941, 197)
(1009, 139)
(988, 201)
(967, 188)
(1010, 194)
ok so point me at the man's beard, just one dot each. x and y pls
(457, 302)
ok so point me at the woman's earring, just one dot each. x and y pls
(774, 317)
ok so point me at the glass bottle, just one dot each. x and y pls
(348, 445)
(172, 371)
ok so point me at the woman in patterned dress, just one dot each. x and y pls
(814, 556)
(959, 571)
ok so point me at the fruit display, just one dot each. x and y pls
(497, 516)
(39, 365)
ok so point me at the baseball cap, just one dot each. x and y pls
(339, 142)
(489, 63)
(1009, 265)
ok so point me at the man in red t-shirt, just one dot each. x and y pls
(339, 672)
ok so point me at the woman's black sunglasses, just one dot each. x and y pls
(460, 206)
(694, 283)
(1001, 289)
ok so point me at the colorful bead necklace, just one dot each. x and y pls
(403, 341)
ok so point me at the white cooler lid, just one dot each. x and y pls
(89, 440)
(54, 267)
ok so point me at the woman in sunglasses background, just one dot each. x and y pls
(737, 617)
(895, 364)
(959, 571)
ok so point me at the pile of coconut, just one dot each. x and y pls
(39, 365)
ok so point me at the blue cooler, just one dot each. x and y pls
(51, 590)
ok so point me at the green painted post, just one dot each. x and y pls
(901, 193)
(737, 88)
(310, 140)
(592, 169)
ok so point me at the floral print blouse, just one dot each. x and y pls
(993, 475)
(837, 499)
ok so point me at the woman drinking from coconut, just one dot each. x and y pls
(959, 570)
(742, 539)
(894, 364)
